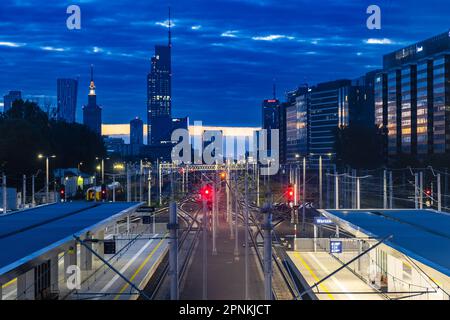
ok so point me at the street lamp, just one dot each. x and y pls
(102, 167)
(41, 156)
(116, 167)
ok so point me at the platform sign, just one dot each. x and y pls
(322, 220)
(146, 219)
(335, 246)
(109, 247)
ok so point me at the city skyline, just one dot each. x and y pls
(250, 151)
(249, 53)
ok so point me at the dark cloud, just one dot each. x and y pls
(226, 53)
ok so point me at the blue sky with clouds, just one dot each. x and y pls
(225, 53)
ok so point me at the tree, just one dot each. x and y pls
(359, 147)
(26, 132)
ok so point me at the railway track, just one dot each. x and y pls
(158, 286)
(281, 278)
(283, 286)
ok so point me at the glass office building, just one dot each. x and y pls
(412, 98)
(270, 114)
(424, 106)
(159, 96)
(313, 115)
(394, 99)
(297, 125)
(441, 107)
(409, 109)
(329, 110)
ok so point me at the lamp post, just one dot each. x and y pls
(116, 167)
(102, 167)
(41, 156)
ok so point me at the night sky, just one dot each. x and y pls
(225, 53)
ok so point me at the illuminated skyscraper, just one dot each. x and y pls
(271, 114)
(159, 94)
(92, 113)
(297, 128)
(412, 98)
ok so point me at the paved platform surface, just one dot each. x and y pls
(137, 263)
(225, 273)
(9, 290)
(344, 285)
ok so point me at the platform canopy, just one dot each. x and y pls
(26, 235)
(421, 234)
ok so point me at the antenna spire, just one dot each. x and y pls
(92, 85)
(170, 29)
(274, 88)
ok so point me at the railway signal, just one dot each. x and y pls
(103, 192)
(206, 193)
(62, 192)
(289, 194)
(428, 197)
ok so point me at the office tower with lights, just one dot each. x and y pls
(159, 95)
(329, 110)
(67, 91)
(92, 113)
(338, 104)
(412, 98)
(9, 99)
(160, 123)
(282, 133)
(272, 113)
(297, 128)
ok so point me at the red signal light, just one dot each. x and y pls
(428, 192)
(103, 192)
(206, 193)
(289, 194)
(62, 192)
